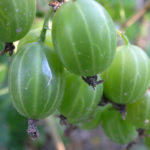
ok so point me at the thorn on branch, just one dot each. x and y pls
(9, 48)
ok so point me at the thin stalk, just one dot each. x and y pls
(46, 25)
(52, 130)
(124, 37)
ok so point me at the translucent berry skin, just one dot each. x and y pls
(138, 113)
(36, 81)
(128, 76)
(96, 120)
(80, 100)
(118, 130)
(17, 17)
(84, 37)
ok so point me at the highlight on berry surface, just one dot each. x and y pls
(39, 82)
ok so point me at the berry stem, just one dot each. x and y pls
(69, 127)
(124, 37)
(54, 6)
(119, 107)
(45, 25)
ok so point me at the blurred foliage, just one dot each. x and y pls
(133, 31)
(120, 10)
(12, 126)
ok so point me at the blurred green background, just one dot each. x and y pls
(131, 17)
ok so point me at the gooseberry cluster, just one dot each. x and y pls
(77, 70)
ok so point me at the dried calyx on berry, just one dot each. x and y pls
(56, 4)
(9, 47)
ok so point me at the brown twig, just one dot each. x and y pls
(137, 16)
